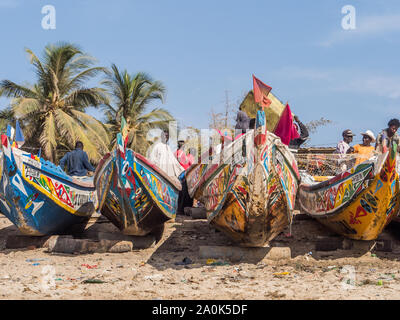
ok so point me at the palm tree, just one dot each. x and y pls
(53, 109)
(6, 117)
(131, 95)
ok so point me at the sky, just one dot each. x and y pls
(201, 49)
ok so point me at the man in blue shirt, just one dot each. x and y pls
(77, 161)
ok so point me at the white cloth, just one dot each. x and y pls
(342, 147)
(306, 178)
(162, 156)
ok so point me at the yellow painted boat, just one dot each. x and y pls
(249, 188)
(358, 203)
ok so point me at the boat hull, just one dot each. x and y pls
(359, 203)
(39, 199)
(133, 194)
(251, 195)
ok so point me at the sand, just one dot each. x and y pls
(153, 274)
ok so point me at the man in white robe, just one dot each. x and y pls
(162, 156)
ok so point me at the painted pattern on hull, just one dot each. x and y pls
(359, 205)
(135, 196)
(66, 196)
(39, 198)
(252, 196)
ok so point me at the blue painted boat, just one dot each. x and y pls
(40, 198)
(134, 194)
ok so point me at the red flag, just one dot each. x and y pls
(4, 140)
(261, 91)
(285, 128)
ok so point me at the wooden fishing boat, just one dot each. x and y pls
(249, 188)
(396, 218)
(358, 203)
(38, 197)
(134, 194)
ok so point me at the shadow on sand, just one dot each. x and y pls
(180, 245)
(187, 236)
(96, 235)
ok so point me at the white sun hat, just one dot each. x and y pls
(370, 134)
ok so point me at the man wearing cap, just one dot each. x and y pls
(344, 145)
(342, 148)
(364, 150)
(388, 136)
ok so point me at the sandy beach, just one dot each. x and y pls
(155, 273)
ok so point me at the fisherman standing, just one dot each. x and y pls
(77, 162)
(388, 136)
(242, 121)
(364, 150)
(343, 146)
(303, 132)
(162, 156)
(184, 199)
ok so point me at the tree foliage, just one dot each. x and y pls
(53, 108)
(131, 95)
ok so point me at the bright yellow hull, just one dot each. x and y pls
(250, 194)
(353, 208)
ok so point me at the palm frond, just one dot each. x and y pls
(65, 125)
(25, 106)
(96, 128)
(10, 89)
(60, 88)
(82, 77)
(85, 97)
(91, 148)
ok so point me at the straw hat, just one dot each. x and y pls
(370, 134)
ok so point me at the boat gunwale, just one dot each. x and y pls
(160, 174)
(86, 187)
(61, 208)
(74, 182)
(104, 162)
(324, 185)
(290, 166)
(151, 166)
(148, 190)
(339, 210)
(60, 204)
(289, 205)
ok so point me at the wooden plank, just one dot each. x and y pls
(22, 241)
(301, 216)
(335, 243)
(115, 243)
(142, 242)
(244, 254)
(198, 213)
(120, 247)
(328, 243)
(384, 245)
